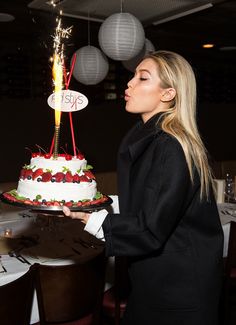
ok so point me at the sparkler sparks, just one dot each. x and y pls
(60, 33)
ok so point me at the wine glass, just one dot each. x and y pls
(229, 189)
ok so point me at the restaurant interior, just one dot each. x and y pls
(203, 31)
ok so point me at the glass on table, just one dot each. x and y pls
(229, 189)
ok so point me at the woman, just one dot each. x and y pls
(168, 224)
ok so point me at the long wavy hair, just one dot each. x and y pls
(180, 119)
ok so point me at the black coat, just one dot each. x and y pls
(173, 239)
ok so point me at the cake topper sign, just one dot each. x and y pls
(70, 101)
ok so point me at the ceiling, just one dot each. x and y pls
(200, 22)
(146, 11)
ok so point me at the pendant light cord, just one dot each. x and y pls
(121, 5)
(88, 28)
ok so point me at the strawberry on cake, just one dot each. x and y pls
(67, 180)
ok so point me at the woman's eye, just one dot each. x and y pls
(142, 78)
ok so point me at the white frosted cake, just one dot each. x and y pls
(65, 180)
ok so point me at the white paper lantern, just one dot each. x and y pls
(91, 65)
(121, 36)
(132, 63)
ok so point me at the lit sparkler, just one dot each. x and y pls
(57, 71)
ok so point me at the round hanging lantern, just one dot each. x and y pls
(132, 63)
(121, 36)
(91, 65)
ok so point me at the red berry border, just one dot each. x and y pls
(9, 197)
(60, 177)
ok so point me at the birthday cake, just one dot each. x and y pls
(54, 179)
(66, 180)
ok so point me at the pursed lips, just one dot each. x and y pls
(127, 96)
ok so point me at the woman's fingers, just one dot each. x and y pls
(75, 215)
(66, 211)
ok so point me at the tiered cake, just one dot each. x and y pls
(66, 181)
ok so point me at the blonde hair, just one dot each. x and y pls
(180, 119)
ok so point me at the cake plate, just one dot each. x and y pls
(55, 210)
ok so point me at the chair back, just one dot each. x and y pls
(71, 292)
(231, 256)
(115, 298)
(227, 299)
(16, 300)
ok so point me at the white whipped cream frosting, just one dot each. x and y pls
(56, 165)
(57, 190)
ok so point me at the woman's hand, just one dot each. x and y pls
(82, 216)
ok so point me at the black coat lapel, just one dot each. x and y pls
(133, 145)
(141, 136)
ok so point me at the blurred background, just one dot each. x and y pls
(26, 35)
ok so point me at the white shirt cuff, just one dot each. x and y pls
(94, 224)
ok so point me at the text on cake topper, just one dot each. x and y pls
(71, 101)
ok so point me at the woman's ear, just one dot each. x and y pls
(168, 95)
